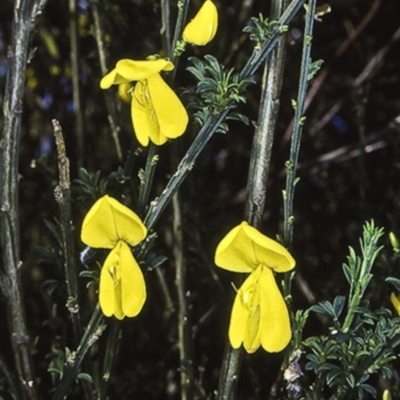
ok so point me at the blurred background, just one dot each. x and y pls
(349, 171)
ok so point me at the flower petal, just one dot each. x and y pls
(122, 290)
(251, 297)
(125, 92)
(144, 118)
(268, 252)
(133, 70)
(106, 287)
(171, 114)
(235, 252)
(157, 112)
(112, 78)
(239, 317)
(133, 287)
(244, 248)
(203, 27)
(109, 221)
(274, 322)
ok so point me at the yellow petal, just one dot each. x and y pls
(239, 316)
(395, 299)
(171, 114)
(144, 119)
(124, 92)
(112, 78)
(106, 290)
(274, 322)
(244, 248)
(157, 113)
(133, 70)
(109, 221)
(122, 290)
(251, 298)
(133, 287)
(234, 252)
(203, 27)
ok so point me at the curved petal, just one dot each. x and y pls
(133, 287)
(238, 323)
(133, 70)
(122, 290)
(170, 112)
(244, 248)
(203, 27)
(235, 252)
(125, 92)
(267, 251)
(112, 78)
(251, 296)
(109, 221)
(106, 288)
(274, 316)
(144, 119)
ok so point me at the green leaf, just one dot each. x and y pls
(394, 281)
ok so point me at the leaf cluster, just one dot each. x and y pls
(216, 90)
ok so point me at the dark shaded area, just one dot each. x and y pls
(349, 170)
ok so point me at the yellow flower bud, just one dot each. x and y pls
(203, 27)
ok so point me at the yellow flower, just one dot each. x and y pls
(111, 225)
(156, 111)
(395, 299)
(259, 314)
(203, 27)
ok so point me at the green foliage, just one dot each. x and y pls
(216, 90)
(261, 30)
(361, 342)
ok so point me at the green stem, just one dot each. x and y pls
(98, 18)
(229, 374)
(76, 87)
(259, 55)
(158, 205)
(185, 340)
(146, 180)
(92, 333)
(113, 342)
(24, 20)
(183, 7)
(166, 26)
(297, 132)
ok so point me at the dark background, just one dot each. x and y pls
(343, 182)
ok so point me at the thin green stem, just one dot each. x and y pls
(146, 181)
(229, 374)
(98, 18)
(297, 132)
(158, 205)
(92, 333)
(76, 73)
(260, 54)
(183, 7)
(166, 26)
(185, 337)
(24, 20)
(113, 341)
